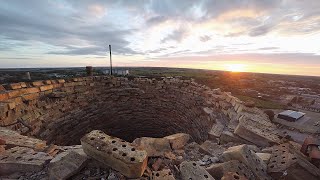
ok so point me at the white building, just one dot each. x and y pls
(122, 72)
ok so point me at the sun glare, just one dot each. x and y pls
(236, 67)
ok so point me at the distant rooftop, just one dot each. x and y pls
(291, 115)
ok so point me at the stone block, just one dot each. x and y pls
(165, 174)
(153, 146)
(243, 154)
(191, 170)
(178, 141)
(233, 176)
(285, 163)
(227, 136)
(215, 131)
(22, 159)
(16, 93)
(116, 153)
(13, 138)
(46, 87)
(234, 166)
(4, 96)
(67, 166)
(211, 148)
(256, 132)
(265, 157)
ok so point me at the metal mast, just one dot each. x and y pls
(110, 60)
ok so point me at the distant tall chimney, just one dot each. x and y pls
(89, 70)
(27, 76)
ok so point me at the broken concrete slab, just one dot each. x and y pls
(191, 170)
(22, 159)
(154, 146)
(285, 163)
(66, 166)
(234, 166)
(256, 133)
(244, 154)
(233, 176)
(215, 131)
(116, 153)
(165, 174)
(13, 138)
(177, 141)
(227, 136)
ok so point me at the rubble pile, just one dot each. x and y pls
(116, 128)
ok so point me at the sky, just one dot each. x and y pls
(268, 36)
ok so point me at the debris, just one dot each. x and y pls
(165, 174)
(191, 170)
(66, 166)
(116, 153)
(177, 141)
(154, 146)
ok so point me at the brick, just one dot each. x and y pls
(4, 107)
(28, 97)
(46, 87)
(48, 82)
(16, 93)
(165, 174)
(14, 86)
(37, 83)
(32, 90)
(153, 146)
(61, 80)
(116, 153)
(67, 166)
(243, 154)
(191, 170)
(23, 84)
(22, 159)
(286, 163)
(2, 88)
(233, 166)
(4, 96)
(178, 141)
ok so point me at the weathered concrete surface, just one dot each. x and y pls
(190, 170)
(177, 141)
(165, 174)
(66, 166)
(248, 157)
(233, 176)
(287, 164)
(116, 153)
(22, 159)
(13, 138)
(220, 169)
(153, 146)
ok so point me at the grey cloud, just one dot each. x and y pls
(176, 35)
(204, 38)
(156, 20)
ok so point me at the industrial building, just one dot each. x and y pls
(290, 115)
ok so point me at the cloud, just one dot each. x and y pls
(204, 38)
(177, 35)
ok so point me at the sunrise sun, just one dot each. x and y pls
(236, 67)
